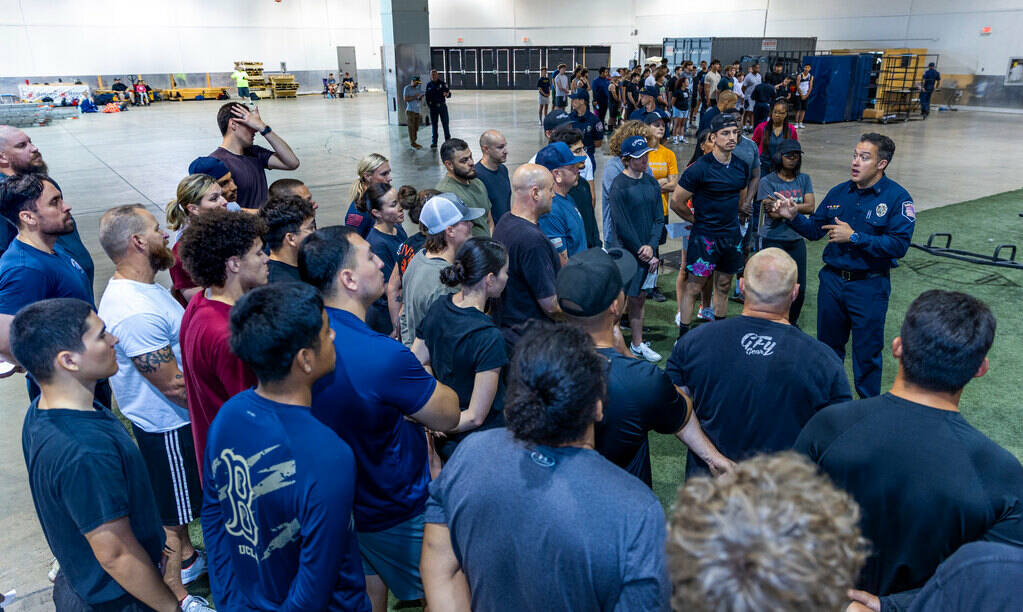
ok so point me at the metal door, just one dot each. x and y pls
(469, 69)
(438, 62)
(455, 68)
(503, 68)
(488, 68)
(521, 78)
(346, 63)
(564, 56)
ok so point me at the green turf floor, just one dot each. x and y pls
(992, 403)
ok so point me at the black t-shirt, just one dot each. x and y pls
(463, 342)
(385, 246)
(927, 482)
(755, 383)
(582, 196)
(498, 188)
(84, 470)
(640, 399)
(532, 269)
(764, 93)
(681, 101)
(774, 78)
(715, 187)
(631, 93)
(280, 272)
(119, 87)
(544, 84)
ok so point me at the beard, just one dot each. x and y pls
(161, 258)
(35, 166)
(467, 175)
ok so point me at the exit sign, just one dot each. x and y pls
(985, 31)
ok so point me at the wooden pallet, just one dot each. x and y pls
(283, 85)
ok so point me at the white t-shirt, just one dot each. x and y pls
(145, 318)
(561, 85)
(749, 83)
(650, 81)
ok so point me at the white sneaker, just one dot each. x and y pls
(707, 314)
(644, 351)
(684, 141)
(54, 570)
(194, 603)
(192, 572)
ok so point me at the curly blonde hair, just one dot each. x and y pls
(772, 534)
(626, 129)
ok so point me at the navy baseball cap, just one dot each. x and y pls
(558, 155)
(579, 94)
(651, 90)
(635, 146)
(556, 119)
(210, 166)
(592, 280)
(721, 122)
(655, 115)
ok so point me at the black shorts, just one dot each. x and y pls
(708, 254)
(170, 460)
(801, 103)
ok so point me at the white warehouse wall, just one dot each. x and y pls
(47, 37)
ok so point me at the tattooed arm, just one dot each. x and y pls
(161, 368)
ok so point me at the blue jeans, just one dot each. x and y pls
(243, 92)
(925, 102)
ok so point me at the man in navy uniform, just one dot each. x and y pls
(587, 123)
(931, 80)
(869, 223)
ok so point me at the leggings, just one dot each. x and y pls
(797, 250)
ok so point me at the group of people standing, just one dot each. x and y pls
(352, 410)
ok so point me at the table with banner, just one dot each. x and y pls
(57, 91)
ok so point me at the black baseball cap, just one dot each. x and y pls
(656, 115)
(721, 122)
(592, 280)
(789, 145)
(556, 119)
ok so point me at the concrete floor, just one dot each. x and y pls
(139, 156)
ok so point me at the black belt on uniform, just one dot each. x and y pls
(857, 275)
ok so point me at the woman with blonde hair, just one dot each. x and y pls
(374, 169)
(196, 193)
(614, 166)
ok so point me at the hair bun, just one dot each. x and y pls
(453, 275)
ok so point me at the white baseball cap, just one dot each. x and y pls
(444, 210)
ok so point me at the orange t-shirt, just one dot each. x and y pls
(663, 164)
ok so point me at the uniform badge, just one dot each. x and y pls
(908, 211)
(882, 209)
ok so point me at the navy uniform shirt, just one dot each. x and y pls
(591, 127)
(883, 217)
(931, 78)
(435, 91)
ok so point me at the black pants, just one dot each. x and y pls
(760, 114)
(600, 107)
(797, 250)
(925, 102)
(441, 112)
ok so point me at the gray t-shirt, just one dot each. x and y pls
(412, 106)
(561, 85)
(474, 195)
(420, 287)
(778, 229)
(543, 528)
(747, 151)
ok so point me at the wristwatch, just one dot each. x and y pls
(265, 130)
(854, 238)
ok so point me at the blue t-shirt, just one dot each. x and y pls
(277, 510)
(359, 220)
(84, 470)
(931, 78)
(376, 383)
(579, 533)
(715, 187)
(564, 226)
(779, 378)
(600, 89)
(28, 275)
(498, 188)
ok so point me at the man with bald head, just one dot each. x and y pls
(756, 379)
(491, 170)
(533, 264)
(19, 156)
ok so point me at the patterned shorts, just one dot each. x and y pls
(709, 253)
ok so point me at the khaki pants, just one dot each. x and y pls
(413, 126)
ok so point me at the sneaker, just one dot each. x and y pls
(54, 570)
(707, 314)
(645, 352)
(433, 146)
(194, 603)
(416, 146)
(684, 141)
(678, 319)
(657, 296)
(192, 568)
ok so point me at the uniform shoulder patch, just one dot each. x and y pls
(881, 210)
(909, 211)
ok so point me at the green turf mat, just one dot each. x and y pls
(991, 403)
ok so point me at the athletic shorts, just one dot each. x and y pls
(679, 114)
(543, 100)
(393, 554)
(170, 461)
(801, 103)
(708, 254)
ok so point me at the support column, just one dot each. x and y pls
(406, 50)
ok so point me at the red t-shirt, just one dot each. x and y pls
(213, 374)
(179, 276)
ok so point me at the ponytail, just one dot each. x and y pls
(475, 260)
